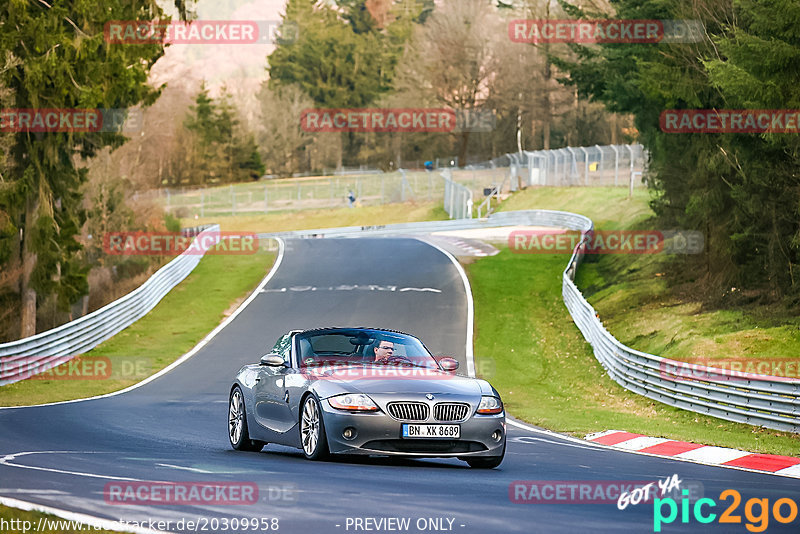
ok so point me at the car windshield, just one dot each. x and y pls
(374, 347)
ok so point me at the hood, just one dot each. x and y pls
(371, 379)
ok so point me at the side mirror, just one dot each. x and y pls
(272, 360)
(448, 364)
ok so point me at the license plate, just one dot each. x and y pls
(431, 431)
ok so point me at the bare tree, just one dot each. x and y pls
(284, 144)
(453, 58)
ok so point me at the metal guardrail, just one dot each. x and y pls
(35, 354)
(554, 218)
(772, 402)
(761, 400)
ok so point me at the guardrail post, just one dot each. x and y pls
(616, 165)
(600, 169)
(573, 168)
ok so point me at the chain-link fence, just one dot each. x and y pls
(302, 193)
(611, 165)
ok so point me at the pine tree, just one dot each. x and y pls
(64, 62)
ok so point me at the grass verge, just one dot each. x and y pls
(171, 329)
(327, 218)
(545, 370)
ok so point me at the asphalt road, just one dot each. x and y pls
(173, 429)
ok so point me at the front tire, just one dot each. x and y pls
(312, 430)
(486, 462)
(237, 424)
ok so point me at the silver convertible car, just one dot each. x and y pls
(364, 391)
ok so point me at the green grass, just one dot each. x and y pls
(652, 302)
(327, 218)
(177, 323)
(543, 367)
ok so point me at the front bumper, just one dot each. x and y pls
(377, 433)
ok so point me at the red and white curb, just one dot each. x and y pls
(705, 454)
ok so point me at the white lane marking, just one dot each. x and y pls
(421, 289)
(470, 304)
(713, 455)
(33, 491)
(354, 287)
(528, 440)
(96, 522)
(9, 458)
(195, 349)
(182, 468)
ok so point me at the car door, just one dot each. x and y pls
(271, 397)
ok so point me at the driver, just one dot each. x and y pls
(384, 351)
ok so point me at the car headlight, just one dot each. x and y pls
(490, 405)
(354, 402)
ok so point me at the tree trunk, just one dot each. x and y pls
(340, 154)
(547, 75)
(28, 294)
(462, 149)
(614, 139)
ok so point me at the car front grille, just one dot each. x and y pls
(408, 411)
(450, 411)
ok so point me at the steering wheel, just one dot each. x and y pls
(395, 358)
